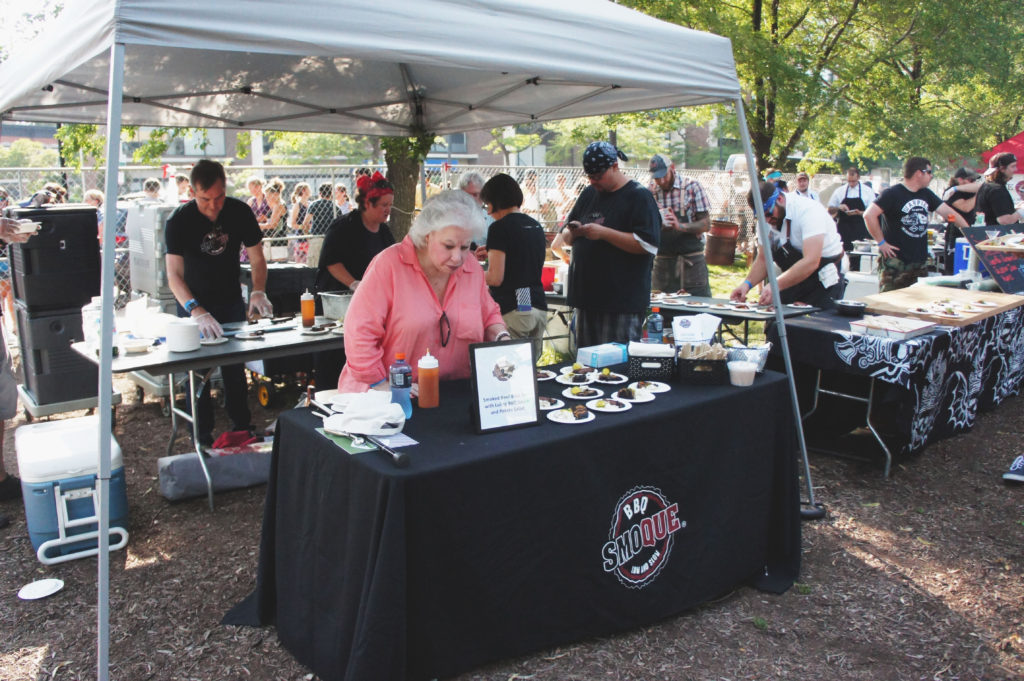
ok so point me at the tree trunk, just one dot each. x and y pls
(403, 156)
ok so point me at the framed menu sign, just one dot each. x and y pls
(504, 385)
(1005, 266)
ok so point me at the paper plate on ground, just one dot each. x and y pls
(40, 589)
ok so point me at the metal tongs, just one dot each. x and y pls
(400, 459)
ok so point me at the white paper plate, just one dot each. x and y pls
(643, 396)
(545, 374)
(311, 332)
(611, 379)
(626, 406)
(694, 304)
(564, 416)
(555, 404)
(338, 331)
(214, 341)
(799, 305)
(985, 303)
(569, 369)
(720, 306)
(40, 589)
(566, 379)
(590, 396)
(654, 386)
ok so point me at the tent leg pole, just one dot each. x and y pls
(812, 509)
(116, 88)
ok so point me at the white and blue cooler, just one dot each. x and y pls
(58, 464)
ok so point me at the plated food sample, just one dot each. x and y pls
(608, 376)
(609, 405)
(548, 403)
(578, 414)
(634, 395)
(582, 393)
(651, 386)
(545, 374)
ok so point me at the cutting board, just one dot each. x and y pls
(899, 303)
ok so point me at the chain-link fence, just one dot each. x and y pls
(549, 194)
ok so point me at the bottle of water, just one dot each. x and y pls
(400, 379)
(654, 326)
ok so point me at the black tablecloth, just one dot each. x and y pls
(932, 386)
(490, 546)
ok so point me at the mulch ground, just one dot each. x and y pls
(918, 576)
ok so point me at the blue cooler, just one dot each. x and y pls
(57, 462)
(962, 259)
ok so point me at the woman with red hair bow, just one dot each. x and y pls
(354, 239)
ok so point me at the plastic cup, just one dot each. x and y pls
(741, 373)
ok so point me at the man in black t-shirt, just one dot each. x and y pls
(994, 199)
(906, 206)
(203, 239)
(615, 230)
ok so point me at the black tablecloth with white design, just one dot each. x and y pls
(490, 546)
(927, 388)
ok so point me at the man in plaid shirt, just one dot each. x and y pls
(684, 219)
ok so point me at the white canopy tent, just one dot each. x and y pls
(387, 67)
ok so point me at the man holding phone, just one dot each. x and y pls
(615, 231)
(685, 210)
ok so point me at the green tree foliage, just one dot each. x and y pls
(868, 79)
(510, 141)
(639, 135)
(25, 153)
(293, 148)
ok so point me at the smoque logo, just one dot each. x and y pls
(640, 538)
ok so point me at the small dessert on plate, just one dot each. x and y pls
(608, 376)
(651, 386)
(545, 374)
(548, 403)
(578, 414)
(635, 395)
(609, 405)
(582, 393)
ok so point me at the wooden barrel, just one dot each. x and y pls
(720, 250)
(724, 228)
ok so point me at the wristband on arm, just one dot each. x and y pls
(190, 305)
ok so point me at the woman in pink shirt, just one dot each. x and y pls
(424, 293)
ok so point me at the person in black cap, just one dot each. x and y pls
(685, 217)
(614, 229)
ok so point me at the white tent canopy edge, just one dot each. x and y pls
(390, 67)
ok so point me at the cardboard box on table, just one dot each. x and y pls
(57, 463)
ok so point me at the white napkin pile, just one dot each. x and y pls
(367, 413)
(650, 350)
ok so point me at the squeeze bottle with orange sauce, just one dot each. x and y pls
(429, 381)
(308, 306)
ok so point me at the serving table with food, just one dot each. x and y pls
(621, 507)
(241, 342)
(731, 312)
(922, 366)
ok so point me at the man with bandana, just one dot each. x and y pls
(614, 229)
(903, 245)
(805, 245)
(203, 238)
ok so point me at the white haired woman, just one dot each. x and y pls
(424, 293)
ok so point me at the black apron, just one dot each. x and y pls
(852, 227)
(810, 290)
